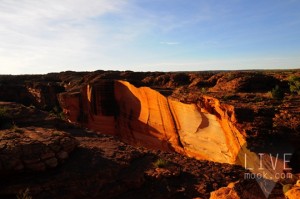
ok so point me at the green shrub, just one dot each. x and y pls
(294, 83)
(160, 163)
(277, 93)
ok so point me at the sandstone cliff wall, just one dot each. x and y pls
(143, 116)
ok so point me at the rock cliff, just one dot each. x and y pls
(143, 116)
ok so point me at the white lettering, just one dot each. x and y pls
(286, 161)
(274, 165)
(260, 161)
(246, 163)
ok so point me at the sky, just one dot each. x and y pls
(41, 36)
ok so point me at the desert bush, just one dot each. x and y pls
(294, 83)
(160, 163)
(277, 93)
(203, 90)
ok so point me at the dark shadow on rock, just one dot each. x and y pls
(83, 175)
(204, 122)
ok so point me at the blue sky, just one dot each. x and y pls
(148, 35)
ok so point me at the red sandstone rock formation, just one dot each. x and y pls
(143, 116)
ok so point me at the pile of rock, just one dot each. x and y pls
(33, 148)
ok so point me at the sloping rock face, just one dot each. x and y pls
(143, 116)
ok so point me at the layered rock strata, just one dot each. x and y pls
(143, 116)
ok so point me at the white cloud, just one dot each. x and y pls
(45, 34)
(39, 36)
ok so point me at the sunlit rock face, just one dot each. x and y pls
(143, 116)
(201, 133)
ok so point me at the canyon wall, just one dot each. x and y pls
(143, 116)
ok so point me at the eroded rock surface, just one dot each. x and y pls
(144, 116)
(33, 149)
(28, 142)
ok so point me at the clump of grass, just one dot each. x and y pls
(277, 93)
(56, 133)
(203, 90)
(24, 194)
(160, 163)
(16, 129)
